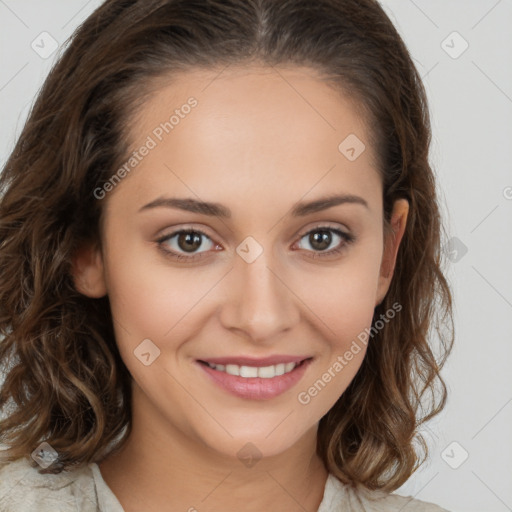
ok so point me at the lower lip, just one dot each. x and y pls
(256, 388)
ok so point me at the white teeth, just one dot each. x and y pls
(264, 372)
(248, 371)
(280, 369)
(232, 369)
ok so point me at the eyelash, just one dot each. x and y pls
(347, 240)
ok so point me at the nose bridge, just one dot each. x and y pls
(259, 301)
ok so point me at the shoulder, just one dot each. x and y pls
(339, 497)
(24, 489)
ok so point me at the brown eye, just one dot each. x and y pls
(322, 237)
(320, 240)
(179, 243)
(189, 241)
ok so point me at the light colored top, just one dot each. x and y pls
(24, 489)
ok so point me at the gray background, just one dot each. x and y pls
(470, 96)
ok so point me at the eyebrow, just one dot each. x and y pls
(300, 209)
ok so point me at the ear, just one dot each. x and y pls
(391, 245)
(87, 271)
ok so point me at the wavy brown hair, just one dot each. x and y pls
(65, 382)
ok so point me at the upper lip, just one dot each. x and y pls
(253, 361)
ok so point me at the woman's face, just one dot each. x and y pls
(268, 277)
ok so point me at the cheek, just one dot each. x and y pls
(140, 302)
(343, 302)
(151, 300)
(147, 295)
(343, 297)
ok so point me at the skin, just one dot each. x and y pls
(257, 146)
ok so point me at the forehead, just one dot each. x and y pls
(272, 131)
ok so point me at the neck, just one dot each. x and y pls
(160, 467)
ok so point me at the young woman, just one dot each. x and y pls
(220, 261)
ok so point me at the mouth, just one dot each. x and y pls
(258, 380)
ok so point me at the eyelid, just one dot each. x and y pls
(190, 227)
(323, 225)
(185, 229)
(344, 233)
(347, 239)
(175, 230)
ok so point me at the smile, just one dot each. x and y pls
(255, 382)
(264, 372)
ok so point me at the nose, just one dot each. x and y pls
(259, 302)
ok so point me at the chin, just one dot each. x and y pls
(254, 440)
